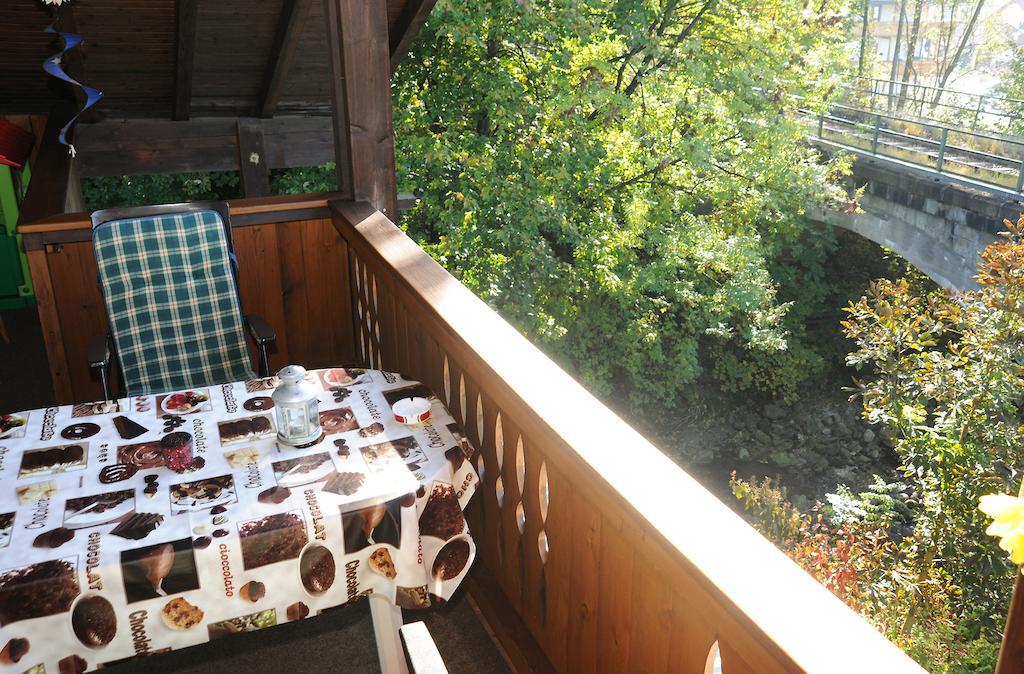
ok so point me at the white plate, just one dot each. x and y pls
(184, 410)
(333, 376)
(12, 431)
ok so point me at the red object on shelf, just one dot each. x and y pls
(15, 144)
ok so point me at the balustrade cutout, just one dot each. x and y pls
(520, 466)
(447, 384)
(713, 665)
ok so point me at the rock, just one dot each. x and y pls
(762, 437)
(869, 436)
(773, 411)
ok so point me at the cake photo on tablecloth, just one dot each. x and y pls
(202, 494)
(90, 511)
(141, 455)
(38, 590)
(183, 402)
(245, 623)
(6, 529)
(93, 409)
(343, 376)
(51, 460)
(414, 391)
(159, 570)
(271, 539)
(383, 456)
(303, 469)
(341, 420)
(372, 525)
(13, 425)
(442, 515)
(242, 430)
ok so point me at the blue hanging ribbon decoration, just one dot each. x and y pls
(53, 66)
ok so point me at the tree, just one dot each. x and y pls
(908, 64)
(624, 180)
(947, 382)
(949, 64)
(893, 72)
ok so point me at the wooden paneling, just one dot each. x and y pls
(294, 274)
(186, 18)
(643, 570)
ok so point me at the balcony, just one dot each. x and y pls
(596, 552)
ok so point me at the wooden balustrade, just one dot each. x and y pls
(596, 552)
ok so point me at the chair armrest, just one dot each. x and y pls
(260, 330)
(98, 351)
(421, 654)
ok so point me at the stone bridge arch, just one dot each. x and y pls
(938, 225)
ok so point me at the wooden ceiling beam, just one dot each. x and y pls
(282, 53)
(409, 22)
(144, 146)
(187, 13)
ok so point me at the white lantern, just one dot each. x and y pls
(298, 416)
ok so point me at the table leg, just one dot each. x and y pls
(387, 618)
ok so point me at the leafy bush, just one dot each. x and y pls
(856, 548)
(945, 379)
(144, 190)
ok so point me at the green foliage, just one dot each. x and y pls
(768, 506)
(144, 190)
(304, 180)
(857, 548)
(946, 380)
(1012, 86)
(882, 503)
(623, 180)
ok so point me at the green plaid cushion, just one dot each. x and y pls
(172, 301)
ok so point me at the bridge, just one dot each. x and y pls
(934, 192)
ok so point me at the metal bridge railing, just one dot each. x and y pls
(992, 160)
(996, 113)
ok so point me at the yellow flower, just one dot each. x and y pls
(1008, 522)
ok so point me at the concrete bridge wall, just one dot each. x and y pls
(937, 225)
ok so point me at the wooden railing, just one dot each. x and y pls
(596, 552)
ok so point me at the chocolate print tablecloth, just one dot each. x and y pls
(106, 554)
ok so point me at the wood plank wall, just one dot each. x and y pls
(294, 273)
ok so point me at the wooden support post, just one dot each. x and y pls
(1011, 652)
(252, 159)
(187, 12)
(282, 53)
(49, 321)
(358, 48)
(53, 188)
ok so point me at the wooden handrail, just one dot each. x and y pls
(612, 511)
(66, 222)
